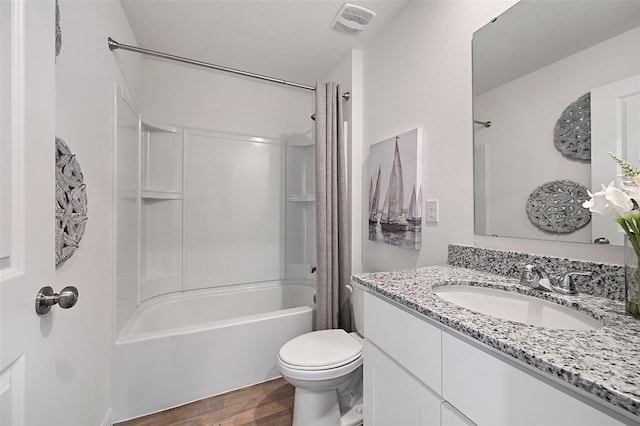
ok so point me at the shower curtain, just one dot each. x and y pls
(332, 212)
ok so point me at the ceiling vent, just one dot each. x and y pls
(352, 19)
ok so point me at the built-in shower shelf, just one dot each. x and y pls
(154, 285)
(301, 144)
(161, 195)
(301, 197)
(127, 194)
(159, 277)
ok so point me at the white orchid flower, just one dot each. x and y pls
(611, 202)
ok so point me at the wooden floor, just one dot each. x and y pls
(269, 403)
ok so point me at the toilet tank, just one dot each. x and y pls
(357, 308)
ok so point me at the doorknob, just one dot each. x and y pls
(46, 298)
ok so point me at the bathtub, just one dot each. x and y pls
(179, 348)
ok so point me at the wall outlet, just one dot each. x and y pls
(432, 211)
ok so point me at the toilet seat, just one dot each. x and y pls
(320, 350)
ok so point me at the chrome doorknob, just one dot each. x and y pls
(46, 298)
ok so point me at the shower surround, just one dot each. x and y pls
(214, 247)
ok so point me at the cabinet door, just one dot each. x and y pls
(491, 392)
(453, 417)
(392, 396)
(411, 341)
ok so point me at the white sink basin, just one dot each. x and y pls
(517, 307)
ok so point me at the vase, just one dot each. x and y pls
(631, 280)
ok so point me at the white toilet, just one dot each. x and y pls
(326, 369)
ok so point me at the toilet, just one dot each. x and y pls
(325, 367)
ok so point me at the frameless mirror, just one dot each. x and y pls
(533, 162)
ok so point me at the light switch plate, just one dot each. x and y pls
(432, 211)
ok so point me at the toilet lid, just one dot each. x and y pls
(321, 349)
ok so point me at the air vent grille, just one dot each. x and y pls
(352, 19)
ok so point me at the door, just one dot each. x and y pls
(615, 127)
(27, 373)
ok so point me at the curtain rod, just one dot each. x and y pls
(113, 45)
(484, 123)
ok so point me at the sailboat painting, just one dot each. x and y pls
(395, 190)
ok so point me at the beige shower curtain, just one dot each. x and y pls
(332, 212)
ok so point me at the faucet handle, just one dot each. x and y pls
(527, 275)
(534, 276)
(568, 285)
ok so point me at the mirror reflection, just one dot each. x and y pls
(559, 82)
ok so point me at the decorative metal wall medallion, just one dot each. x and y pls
(572, 133)
(58, 30)
(71, 202)
(556, 206)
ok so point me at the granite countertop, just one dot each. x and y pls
(603, 362)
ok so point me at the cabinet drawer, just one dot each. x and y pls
(411, 341)
(489, 391)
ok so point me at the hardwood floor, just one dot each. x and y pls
(268, 404)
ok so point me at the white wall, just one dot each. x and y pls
(348, 72)
(520, 140)
(428, 51)
(418, 74)
(85, 72)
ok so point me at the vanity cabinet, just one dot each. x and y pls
(490, 391)
(393, 396)
(401, 374)
(453, 417)
(417, 372)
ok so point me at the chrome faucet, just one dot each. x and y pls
(531, 276)
(567, 285)
(536, 277)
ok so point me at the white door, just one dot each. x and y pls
(615, 127)
(27, 375)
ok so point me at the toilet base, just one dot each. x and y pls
(353, 417)
(323, 409)
(313, 408)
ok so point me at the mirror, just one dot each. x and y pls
(531, 66)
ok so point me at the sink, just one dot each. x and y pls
(517, 307)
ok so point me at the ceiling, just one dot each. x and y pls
(536, 33)
(285, 39)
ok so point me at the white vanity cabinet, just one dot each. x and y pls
(393, 396)
(492, 392)
(401, 374)
(417, 372)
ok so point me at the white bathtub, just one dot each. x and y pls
(183, 347)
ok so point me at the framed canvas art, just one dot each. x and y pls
(395, 190)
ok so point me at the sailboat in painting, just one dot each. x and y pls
(392, 218)
(374, 195)
(414, 214)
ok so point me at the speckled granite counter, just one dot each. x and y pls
(603, 362)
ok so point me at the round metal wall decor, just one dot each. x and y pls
(556, 206)
(572, 133)
(71, 202)
(58, 30)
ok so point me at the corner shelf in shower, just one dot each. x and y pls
(301, 197)
(161, 174)
(147, 194)
(154, 285)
